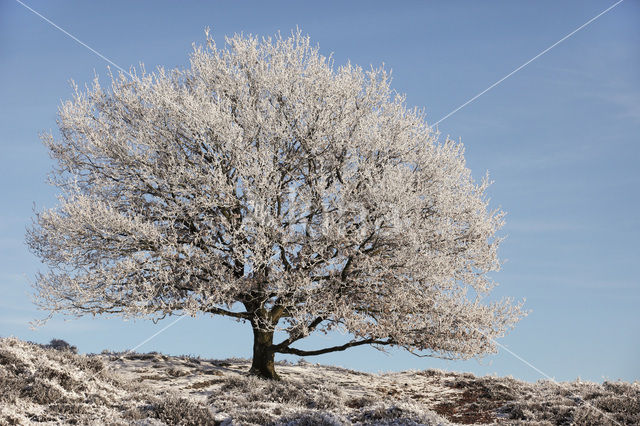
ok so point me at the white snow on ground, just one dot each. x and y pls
(196, 379)
(40, 385)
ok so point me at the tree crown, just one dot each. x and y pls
(265, 176)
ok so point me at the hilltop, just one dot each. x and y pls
(51, 384)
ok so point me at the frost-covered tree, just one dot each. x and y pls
(265, 184)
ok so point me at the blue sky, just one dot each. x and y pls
(560, 139)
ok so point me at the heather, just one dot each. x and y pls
(51, 384)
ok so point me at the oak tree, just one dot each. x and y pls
(266, 184)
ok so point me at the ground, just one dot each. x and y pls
(44, 384)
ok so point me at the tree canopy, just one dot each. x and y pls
(266, 184)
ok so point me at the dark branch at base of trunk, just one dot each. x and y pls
(301, 352)
(295, 337)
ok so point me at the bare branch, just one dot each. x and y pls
(219, 311)
(351, 344)
(298, 335)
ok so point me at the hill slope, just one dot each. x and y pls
(47, 385)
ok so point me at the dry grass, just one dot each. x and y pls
(51, 384)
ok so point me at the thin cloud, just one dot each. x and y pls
(627, 104)
(537, 226)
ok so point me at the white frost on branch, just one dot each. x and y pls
(265, 176)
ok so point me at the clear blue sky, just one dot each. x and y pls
(560, 139)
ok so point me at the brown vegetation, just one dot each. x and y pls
(47, 384)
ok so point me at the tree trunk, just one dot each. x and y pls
(263, 355)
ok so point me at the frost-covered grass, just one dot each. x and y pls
(51, 384)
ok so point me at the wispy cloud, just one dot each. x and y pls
(22, 323)
(537, 226)
(567, 74)
(556, 157)
(569, 281)
(22, 320)
(626, 103)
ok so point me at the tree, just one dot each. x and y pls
(265, 185)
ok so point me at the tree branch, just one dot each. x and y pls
(219, 311)
(293, 338)
(301, 352)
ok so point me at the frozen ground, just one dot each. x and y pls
(46, 385)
